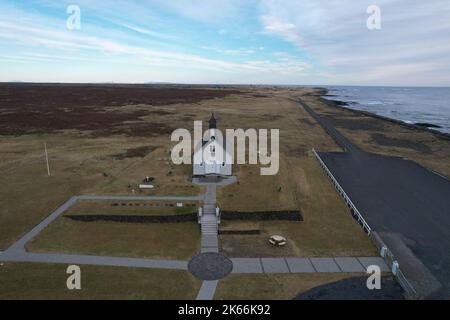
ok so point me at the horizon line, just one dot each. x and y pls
(218, 84)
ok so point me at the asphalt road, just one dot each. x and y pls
(354, 289)
(405, 203)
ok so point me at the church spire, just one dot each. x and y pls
(212, 122)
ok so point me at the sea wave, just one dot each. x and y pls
(426, 106)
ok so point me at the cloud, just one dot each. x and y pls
(411, 48)
(288, 31)
(74, 43)
(144, 31)
(231, 52)
(257, 41)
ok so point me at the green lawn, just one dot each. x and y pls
(149, 240)
(48, 281)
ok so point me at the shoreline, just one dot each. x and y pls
(344, 106)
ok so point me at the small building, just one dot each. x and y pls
(211, 156)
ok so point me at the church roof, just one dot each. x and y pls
(213, 122)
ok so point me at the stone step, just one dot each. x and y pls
(209, 228)
(210, 250)
(209, 231)
(210, 224)
(209, 217)
(209, 221)
(213, 234)
(210, 241)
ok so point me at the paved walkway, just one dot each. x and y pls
(295, 265)
(93, 260)
(209, 221)
(220, 182)
(307, 265)
(207, 290)
(19, 246)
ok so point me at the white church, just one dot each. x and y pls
(210, 156)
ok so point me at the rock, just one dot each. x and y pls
(428, 125)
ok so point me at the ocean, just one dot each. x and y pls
(429, 107)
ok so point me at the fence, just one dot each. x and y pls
(381, 246)
(347, 199)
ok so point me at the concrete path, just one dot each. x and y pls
(94, 260)
(220, 182)
(307, 265)
(19, 246)
(240, 265)
(295, 265)
(207, 290)
(209, 221)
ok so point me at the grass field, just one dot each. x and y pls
(114, 162)
(178, 241)
(327, 230)
(79, 165)
(25, 281)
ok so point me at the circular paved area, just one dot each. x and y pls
(210, 266)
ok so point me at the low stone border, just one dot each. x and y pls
(239, 232)
(151, 205)
(135, 219)
(263, 215)
(226, 215)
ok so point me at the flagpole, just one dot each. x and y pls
(46, 159)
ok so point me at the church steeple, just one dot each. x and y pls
(212, 122)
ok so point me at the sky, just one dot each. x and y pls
(281, 42)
